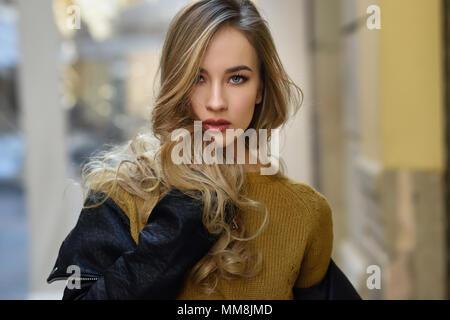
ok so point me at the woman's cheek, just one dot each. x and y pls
(246, 104)
(195, 107)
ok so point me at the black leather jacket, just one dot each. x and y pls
(112, 266)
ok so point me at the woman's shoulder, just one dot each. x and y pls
(303, 189)
(122, 203)
(302, 194)
(293, 188)
(299, 196)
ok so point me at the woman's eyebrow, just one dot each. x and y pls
(230, 70)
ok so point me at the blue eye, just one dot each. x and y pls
(238, 76)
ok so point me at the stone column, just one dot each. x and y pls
(43, 124)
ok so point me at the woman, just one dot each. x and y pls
(157, 226)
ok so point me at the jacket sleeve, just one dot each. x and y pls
(114, 267)
(334, 286)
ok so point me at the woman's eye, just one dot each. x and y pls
(236, 78)
(198, 79)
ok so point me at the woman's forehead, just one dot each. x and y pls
(229, 48)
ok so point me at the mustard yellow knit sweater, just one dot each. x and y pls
(296, 244)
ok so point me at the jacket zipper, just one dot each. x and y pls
(94, 278)
(87, 279)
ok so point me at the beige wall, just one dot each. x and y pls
(380, 111)
(411, 85)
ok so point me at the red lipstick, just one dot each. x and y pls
(216, 124)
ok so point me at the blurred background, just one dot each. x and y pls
(372, 134)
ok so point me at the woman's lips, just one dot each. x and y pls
(220, 127)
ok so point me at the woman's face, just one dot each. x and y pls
(228, 86)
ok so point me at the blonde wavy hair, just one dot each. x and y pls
(143, 166)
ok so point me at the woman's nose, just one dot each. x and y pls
(216, 99)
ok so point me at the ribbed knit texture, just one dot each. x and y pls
(296, 243)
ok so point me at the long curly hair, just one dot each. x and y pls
(143, 166)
